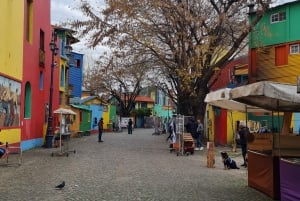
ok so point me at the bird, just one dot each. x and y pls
(60, 186)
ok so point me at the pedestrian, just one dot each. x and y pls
(192, 128)
(199, 134)
(172, 132)
(129, 127)
(100, 130)
(243, 131)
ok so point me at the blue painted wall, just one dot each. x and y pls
(97, 113)
(75, 76)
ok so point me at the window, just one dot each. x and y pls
(27, 97)
(77, 63)
(62, 76)
(29, 20)
(42, 50)
(277, 17)
(294, 49)
(41, 80)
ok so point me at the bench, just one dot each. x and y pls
(77, 134)
(11, 150)
(87, 133)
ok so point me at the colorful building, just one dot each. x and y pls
(25, 65)
(221, 123)
(275, 45)
(275, 48)
(99, 109)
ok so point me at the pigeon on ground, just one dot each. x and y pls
(60, 186)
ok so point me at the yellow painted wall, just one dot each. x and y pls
(266, 69)
(11, 51)
(232, 117)
(11, 38)
(75, 126)
(62, 62)
(105, 118)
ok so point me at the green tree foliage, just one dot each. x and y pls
(182, 42)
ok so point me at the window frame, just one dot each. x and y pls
(292, 46)
(278, 17)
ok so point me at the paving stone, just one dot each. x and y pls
(136, 167)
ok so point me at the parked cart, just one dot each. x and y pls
(185, 143)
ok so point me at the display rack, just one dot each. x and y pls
(185, 140)
(64, 134)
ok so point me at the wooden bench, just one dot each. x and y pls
(87, 133)
(77, 134)
(11, 150)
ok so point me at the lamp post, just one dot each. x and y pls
(49, 133)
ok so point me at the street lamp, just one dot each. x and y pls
(49, 133)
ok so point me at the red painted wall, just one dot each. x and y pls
(220, 127)
(221, 79)
(33, 127)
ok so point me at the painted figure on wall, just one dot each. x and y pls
(9, 102)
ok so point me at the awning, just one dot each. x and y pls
(64, 111)
(269, 95)
(221, 98)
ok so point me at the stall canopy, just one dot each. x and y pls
(64, 111)
(221, 98)
(268, 95)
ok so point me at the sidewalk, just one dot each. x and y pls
(124, 167)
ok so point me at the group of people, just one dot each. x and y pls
(196, 129)
(100, 128)
(192, 126)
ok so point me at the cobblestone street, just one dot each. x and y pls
(123, 167)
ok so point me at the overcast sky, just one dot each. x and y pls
(64, 10)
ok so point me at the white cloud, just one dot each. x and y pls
(65, 10)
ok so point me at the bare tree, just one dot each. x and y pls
(181, 41)
(121, 75)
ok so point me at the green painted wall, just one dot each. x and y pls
(86, 121)
(266, 33)
(270, 120)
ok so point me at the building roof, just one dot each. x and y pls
(144, 99)
(82, 107)
(88, 98)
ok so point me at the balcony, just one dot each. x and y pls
(41, 58)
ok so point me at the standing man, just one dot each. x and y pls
(243, 131)
(199, 134)
(130, 127)
(100, 130)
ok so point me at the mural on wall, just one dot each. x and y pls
(10, 91)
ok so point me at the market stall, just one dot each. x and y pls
(64, 132)
(268, 148)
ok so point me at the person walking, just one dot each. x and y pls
(243, 131)
(129, 127)
(199, 134)
(100, 130)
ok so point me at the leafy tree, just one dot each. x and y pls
(181, 41)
